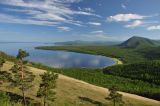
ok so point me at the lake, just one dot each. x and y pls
(57, 59)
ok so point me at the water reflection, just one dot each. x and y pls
(58, 59)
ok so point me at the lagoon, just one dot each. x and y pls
(57, 59)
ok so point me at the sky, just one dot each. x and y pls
(88, 20)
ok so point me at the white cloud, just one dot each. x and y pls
(135, 23)
(125, 17)
(89, 9)
(95, 32)
(123, 6)
(64, 28)
(11, 19)
(156, 27)
(86, 9)
(95, 23)
(51, 11)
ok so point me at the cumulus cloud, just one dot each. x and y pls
(124, 17)
(64, 28)
(135, 23)
(43, 11)
(156, 27)
(95, 23)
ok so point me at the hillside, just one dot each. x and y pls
(71, 92)
(135, 42)
(146, 71)
(151, 53)
(84, 43)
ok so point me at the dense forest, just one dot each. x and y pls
(146, 71)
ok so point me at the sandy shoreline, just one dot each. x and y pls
(117, 61)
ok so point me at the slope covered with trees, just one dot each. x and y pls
(97, 77)
(146, 71)
(135, 42)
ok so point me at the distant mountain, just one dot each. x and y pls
(79, 42)
(136, 41)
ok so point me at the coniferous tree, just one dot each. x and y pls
(22, 78)
(2, 61)
(47, 87)
(115, 96)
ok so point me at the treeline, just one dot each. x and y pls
(151, 53)
(7, 57)
(146, 71)
(97, 77)
(124, 54)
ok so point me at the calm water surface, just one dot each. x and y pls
(58, 59)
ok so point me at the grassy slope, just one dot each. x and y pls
(72, 92)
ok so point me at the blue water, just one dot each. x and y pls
(57, 59)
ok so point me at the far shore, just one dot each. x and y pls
(117, 61)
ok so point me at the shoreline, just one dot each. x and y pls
(118, 61)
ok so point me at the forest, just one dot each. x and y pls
(145, 71)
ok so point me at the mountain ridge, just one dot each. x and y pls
(136, 41)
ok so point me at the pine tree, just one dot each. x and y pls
(115, 96)
(2, 61)
(47, 87)
(22, 78)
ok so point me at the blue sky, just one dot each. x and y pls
(89, 20)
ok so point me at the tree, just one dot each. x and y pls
(47, 87)
(2, 61)
(21, 55)
(22, 78)
(115, 96)
(4, 98)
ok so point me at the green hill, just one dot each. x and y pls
(146, 71)
(84, 43)
(135, 42)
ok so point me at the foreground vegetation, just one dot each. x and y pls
(19, 77)
(97, 77)
(70, 92)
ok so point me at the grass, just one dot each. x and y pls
(72, 92)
